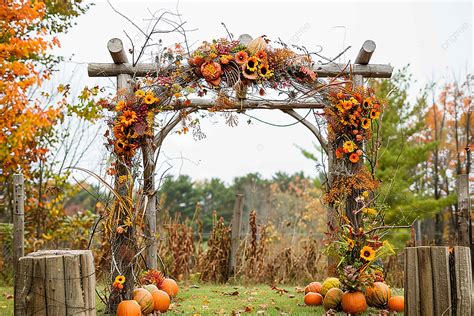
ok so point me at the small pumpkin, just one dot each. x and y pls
(150, 288)
(328, 284)
(353, 302)
(313, 287)
(257, 44)
(129, 308)
(313, 299)
(161, 301)
(170, 286)
(332, 299)
(396, 303)
(144, 299)
(377, 295)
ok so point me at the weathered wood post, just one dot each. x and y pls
(438, 281)
(464, 211)
(18, 220)
(235, 234)
(56, 282)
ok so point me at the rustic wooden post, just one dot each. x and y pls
(464, 211)
(236, 229)
(56, 282)
(438, 281)
(18, 220)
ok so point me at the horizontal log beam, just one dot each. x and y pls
(151, 69)
(206, 104)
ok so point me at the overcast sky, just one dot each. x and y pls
(435, 38)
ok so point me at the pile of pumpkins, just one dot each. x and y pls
(330, 295)
(149, 299)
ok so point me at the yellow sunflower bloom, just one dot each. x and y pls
(140, 93)
(365, 123)
(252, 63)
(367, 102)
(120, 105)
(374, 114)
(149, 99)
(120, 279)
(350, 243)
(128, 118)
(264, 71)
(367, 253)
(349, 146)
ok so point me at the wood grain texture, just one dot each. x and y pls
(425, 281)
(441, 281)
(462, 261)
(235, 233)
(412, 292)
(365, 53)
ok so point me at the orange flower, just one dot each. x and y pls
(354, 157)
(117, 285)
(149, 99)
(128, 118)
(340, 95)
(367, 102)
(118, 131)
(365, 123)
(347, 105)
(358, 97)
(196, 61)
(339, 152)
(120, 105)
(241, 57)
(261, 55)
(225, 59)
(211, 71)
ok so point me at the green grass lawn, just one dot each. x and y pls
(220, 300)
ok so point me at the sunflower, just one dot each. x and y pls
(149, 99)
(367, 102)
(374, 114)
(264, 71)
(120, 279)
(350, 243)
(347, 105)
(367, 253)
(120, 105)
(354, 157)
(128, 117)
(119, 131)
(252, 75)
(241, 57)
(349, 146)
(252, 63)
(365, 123)
(140, 93)
(261, 55)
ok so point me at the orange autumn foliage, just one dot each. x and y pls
(23, 44)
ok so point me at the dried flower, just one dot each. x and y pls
(241, 57)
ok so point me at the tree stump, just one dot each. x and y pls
(56, 282)
(438, 281)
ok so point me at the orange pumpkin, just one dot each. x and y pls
(129, 308)
(161, 301)
(377, 295)
(144, 299)
(353, 302)
(170, 286)
(313, 299)
(332, 299)
(396, 303)
(314, 287)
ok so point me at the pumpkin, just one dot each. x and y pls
(170, 286)
(150, 288)
(313, 299)
(313, 287)
(332, 299)
(144, 299)
(377, 295)
(129, 308)
(329, 283)
(161, 301)
(353, 302)
(257, 44)
(396, 304)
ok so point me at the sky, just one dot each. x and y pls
(435, 38)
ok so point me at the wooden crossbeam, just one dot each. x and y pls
(151, 69)
(206, 104)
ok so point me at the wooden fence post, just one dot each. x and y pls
(438, 281)
(18, 219)
(464, 213)
(235, 234)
